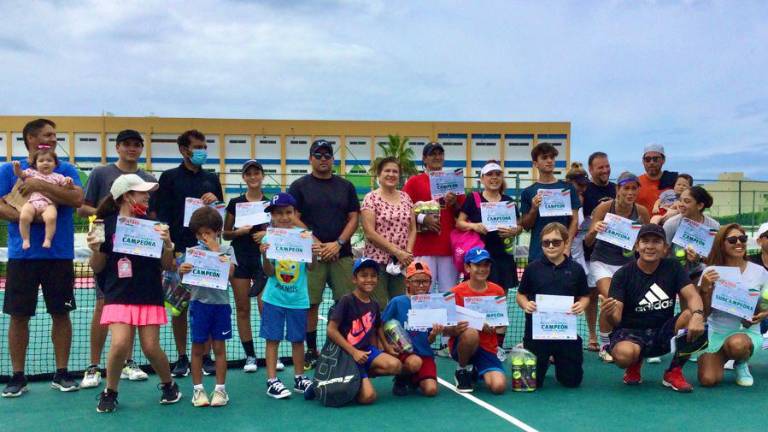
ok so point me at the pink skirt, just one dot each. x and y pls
(135, 315)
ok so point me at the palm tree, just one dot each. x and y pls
(397, 147)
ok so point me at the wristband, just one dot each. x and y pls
(698, 311)
(420, 218)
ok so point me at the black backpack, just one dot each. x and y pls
(337, 377)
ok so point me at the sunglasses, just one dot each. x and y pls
(649, 159)
(551, 243)
(733, 239)
(322, 155)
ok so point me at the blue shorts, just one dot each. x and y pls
(364, 368)
(280, 323)
(210, 321)
(482, 360)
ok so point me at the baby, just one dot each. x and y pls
(42, 166)
(666, 206)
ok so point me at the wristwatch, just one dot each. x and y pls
(698, 311)
(341, 242)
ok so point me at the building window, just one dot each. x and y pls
(237, 141)
(267, 142)
(517, 144)
(299, 142)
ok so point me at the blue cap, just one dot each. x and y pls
(281, 200)
(477, 255)
(364, 262)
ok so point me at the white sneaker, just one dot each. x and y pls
(743, 376)
(199, 398)
(280, 366)
(131, 371)
(605, 355)
(219, 398)
(728, 365)
(91, 378)
(251, 365)
(276, 389)
(653, 360)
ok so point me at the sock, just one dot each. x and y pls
(500, 339)
(248, 348)
(605, 340)
(678, 361)
(466, 368)
(219, 387)
(312, 340)
(297, 377)
(19, 375)
(61, 371)
(199, 387)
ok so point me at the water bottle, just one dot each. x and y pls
(763, 304)
(397, 336)
(509, 245)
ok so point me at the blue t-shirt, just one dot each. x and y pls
(288, 287)
(398, 308)
(526, 202)
(63, 244)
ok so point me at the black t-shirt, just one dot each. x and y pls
(758, 259)
(324, 205)
(594, 193)
(143, 288)
(543, 277)
(493, 243)
(649, 299)
(244, 246)
(358, 321)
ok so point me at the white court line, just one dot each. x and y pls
(515, 421)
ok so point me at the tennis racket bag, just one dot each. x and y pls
(337, 377)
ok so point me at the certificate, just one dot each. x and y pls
(442, 183)
(445, 301)
(289, 244)
(476, 320)
(251, 213)
(494, 308)
(137, 237)
(423, 319)
(192, 204)
(208, 269)
(495, 215)
(732, 296)
(552, 319)
(697, 235)
(620, 231)
(555, 202)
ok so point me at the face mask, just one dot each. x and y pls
(139, 209)
(199, 157)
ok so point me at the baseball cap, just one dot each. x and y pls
(477, 255)
(252, 163)
(129, 134)
(417, 267)
(130, 182)
(319, 145)
(762, 230)
(658, 148)
(490, 167)
(282, 199)
(652, 229)
(627, 177)
(430, 147)
(364, 262)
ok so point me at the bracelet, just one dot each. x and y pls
(698, 311)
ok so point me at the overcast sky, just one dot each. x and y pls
(690, 75)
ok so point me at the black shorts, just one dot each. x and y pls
(504, 272)
(653, 342)
(248, 267)
(568, 356)
(56, 277)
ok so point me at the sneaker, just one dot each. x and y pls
(107, 401)
(743, 376)
(310, 359)
(674, 379)
(276, 389)
(251, 365)
(301, 384)
(209, 366)
(91, 377)
(653, 360)
(62, 381)
(171, 393)
(400, 386)
(309, 392)
(181, 368)
(131, 371)
(501, 354)
(280, 366)
(605, 355)
(729, 365)
(443, 352)
(200, 398)
(463, 379)
(632, 374)
(219, 398)
(15, 387)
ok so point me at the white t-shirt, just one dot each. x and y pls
(722, 322)
(577, 246)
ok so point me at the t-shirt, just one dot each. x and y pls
(651, 189)
(526, 202)
(176, 185)
(63, 244)
(144, 287)
(488, 341)
(392, 221)
(101, 179)
(577, 245)
(324, 205)
(397, 309)
(670, 229)
(649, 299)
(594, 193)
(358, 321)
(429, 243)
(544, 277)
(758, 259)
(245, 247)
(753, 276)
(211, 295)
(288, 287)
(494, 244)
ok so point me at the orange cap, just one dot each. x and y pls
(417, 267)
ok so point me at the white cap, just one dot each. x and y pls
(490, 166)
(658, 148)
(130, 182)
(762, 230)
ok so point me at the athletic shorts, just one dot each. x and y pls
(366, 367)
(483, 361)
(600, 270)
(428, 368)
(444, 273)
(652, 342)
(336, 274)
(55, 277)
(504, 271)
(281, 323)
(387, 288)
(248, 267)
(210, 321)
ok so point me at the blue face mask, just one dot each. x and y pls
(199, 157)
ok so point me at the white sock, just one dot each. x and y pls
(466, 368)
(219, 387)
(605, 340)
(199, 387)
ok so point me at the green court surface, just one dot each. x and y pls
(602, 403)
